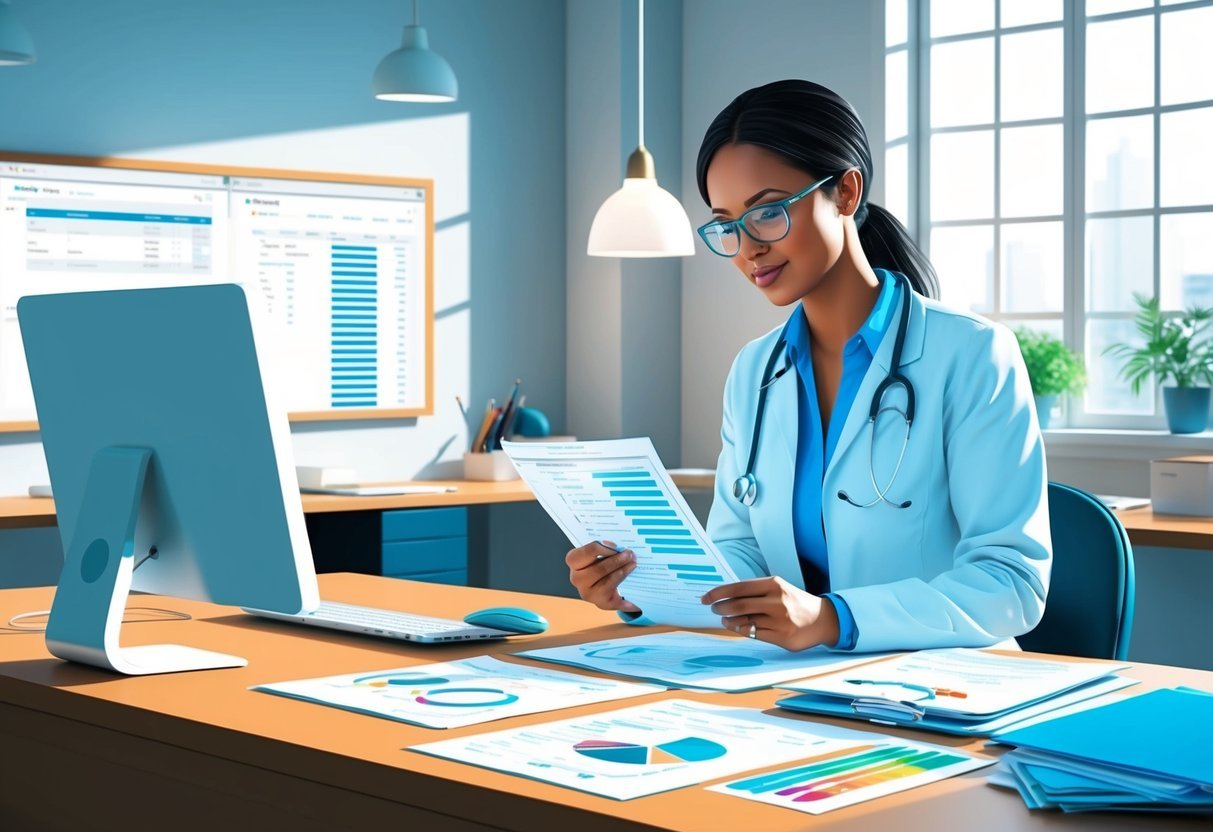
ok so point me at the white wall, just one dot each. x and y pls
(728, 48)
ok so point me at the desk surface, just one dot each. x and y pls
(114, 742)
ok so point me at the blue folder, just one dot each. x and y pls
(1164, 732)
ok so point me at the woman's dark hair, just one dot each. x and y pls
(816, 130)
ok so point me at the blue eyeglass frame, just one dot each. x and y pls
(783, 204)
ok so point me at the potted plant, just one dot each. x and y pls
(1053, 369)
(1174, 350)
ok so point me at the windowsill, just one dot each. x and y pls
(1124, 444)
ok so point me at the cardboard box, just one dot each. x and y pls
(1182, 485)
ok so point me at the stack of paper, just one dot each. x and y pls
(956, 691)
(1151, 753)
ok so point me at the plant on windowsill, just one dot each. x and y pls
(1177, 350)
(1052, 368)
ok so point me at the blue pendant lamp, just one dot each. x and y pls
(16, 46)
(413, 72)
(641, 219)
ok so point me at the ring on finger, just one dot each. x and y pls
(753, 630)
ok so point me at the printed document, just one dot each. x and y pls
(699, 660)
(455, 694)
(618, 490)
(648, 749)
(958, 682)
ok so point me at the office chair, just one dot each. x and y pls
(1089, 608)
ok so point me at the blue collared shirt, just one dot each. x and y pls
(815, 444)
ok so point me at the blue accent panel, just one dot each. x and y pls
(424, 523)
(452, 577)
(411, 557)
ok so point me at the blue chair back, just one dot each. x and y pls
(1089, 608)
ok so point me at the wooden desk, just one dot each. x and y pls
(86, 749)
(1146, 528)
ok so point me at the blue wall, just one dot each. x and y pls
(286, 83)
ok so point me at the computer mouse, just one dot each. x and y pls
(510, 619)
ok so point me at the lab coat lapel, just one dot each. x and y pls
(778, 460)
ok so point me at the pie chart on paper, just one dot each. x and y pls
(687, 750)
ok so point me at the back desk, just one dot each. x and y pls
(84, 749)
(1144, 527)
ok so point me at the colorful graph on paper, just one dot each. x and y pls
(853, 774)
(455, 694)
(686, 750)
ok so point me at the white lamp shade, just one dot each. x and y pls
(641, 219)
(414, 73)
(16, 46)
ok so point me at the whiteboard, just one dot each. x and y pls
(338, 268)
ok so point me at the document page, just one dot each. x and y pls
(960, 683)
(648, 749)
(459, 693)
(699, 660)
(618, 490)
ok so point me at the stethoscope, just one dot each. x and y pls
(745, 487)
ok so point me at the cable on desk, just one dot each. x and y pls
(15, 626)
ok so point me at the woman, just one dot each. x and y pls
(902, 533)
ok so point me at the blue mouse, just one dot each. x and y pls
(510, 619)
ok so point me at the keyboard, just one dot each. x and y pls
(384, 623)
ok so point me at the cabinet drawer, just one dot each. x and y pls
(412, 557)
(452, 577)
(418, 523)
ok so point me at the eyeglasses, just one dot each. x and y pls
(767, 223)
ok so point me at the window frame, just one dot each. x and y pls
(1074, 315)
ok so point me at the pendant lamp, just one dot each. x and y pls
(16, 46)
(413, 72)
(641, 219)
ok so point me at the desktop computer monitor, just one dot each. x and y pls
(171, 469)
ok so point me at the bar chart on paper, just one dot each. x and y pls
(853, 773)
(618, 490)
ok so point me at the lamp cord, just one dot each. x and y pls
(640, 69)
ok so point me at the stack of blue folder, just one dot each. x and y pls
(1152, 752)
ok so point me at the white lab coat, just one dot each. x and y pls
(967, 564)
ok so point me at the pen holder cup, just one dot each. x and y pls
(495, 465)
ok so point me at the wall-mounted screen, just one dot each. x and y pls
(340, 268)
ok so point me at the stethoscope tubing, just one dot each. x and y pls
(745, 487)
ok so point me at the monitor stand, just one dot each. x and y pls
(89, 604)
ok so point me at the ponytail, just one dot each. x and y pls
(888, 245)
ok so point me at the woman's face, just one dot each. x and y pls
(742, 176)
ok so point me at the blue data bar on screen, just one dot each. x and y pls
(655, 522)
(668, 541)
(690, 567)
(641, 503)
(337, 247)
(667, 551)
(631, 484)
(350, 255)
(650, 532)
(606, 475)
(353, 274)
(649, 512)
(632, 493)
(116, 216)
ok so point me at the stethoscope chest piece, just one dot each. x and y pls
(745, 489)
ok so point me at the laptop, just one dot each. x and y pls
(371, 621)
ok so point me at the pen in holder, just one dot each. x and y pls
(493, 465)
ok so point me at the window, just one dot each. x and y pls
(1051, 158)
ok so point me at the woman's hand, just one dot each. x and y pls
(773, 610)
(596, 570)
